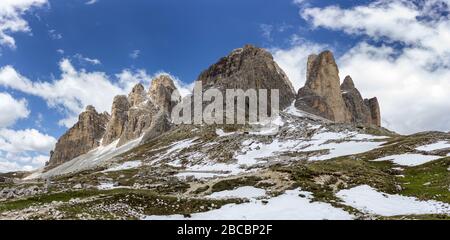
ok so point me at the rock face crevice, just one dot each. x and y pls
(84, 136)
(323, 95)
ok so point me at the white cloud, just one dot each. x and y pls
(28, 140)
(266, 30)
(82, 59)
(21, 162)
(11, 18)
(75, 89)
(404, 58)
(135, 54)
(11, 110)
(90, 2)
(54, 35)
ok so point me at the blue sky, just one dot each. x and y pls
(67, 54)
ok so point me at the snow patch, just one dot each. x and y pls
(242, 192)
(90, 160)
(221, 133)
(124, 166)
(434, 146)
(369, 200)
(409, 159)
(288, 206)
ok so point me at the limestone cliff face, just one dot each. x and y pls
(140, 114)
(375, 111)
(321, 94)
(249, 68)
(84, 136)
(119, 118)
(161, 91)
(359, 111)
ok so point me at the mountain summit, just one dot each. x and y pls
(323, 95)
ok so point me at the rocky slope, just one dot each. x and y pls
(326, 160)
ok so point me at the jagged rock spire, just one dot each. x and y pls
(161, 91)
(137, 95)
(354, 102)
(119, 118)
(321, 94)
(375, 111)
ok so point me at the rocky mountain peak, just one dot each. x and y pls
(246, 68)
(119, 117)
(137, 95)
(324, 96)
(348, 84)
(321, 94)
(161, 91)
(84, 136)
(90, 108)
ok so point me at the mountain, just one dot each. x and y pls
(130, 118)
(324, 157)
(249, 68)
(84, 136)
(323, 95)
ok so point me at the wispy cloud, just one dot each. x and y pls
(54, 34)
(83, 59)
(12, 21)
(135, 54)
(90, 2)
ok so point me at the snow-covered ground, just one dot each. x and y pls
(254, 152)
(434, 146)
(409, 159)
(222, 133)
(124, 166)
(342, 149)
(90, 160)
(368, 200)
(242, 192)
(292, 205)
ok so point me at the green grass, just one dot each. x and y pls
(231, 184)
(428, 181)
(45, 198)
(143, 202)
